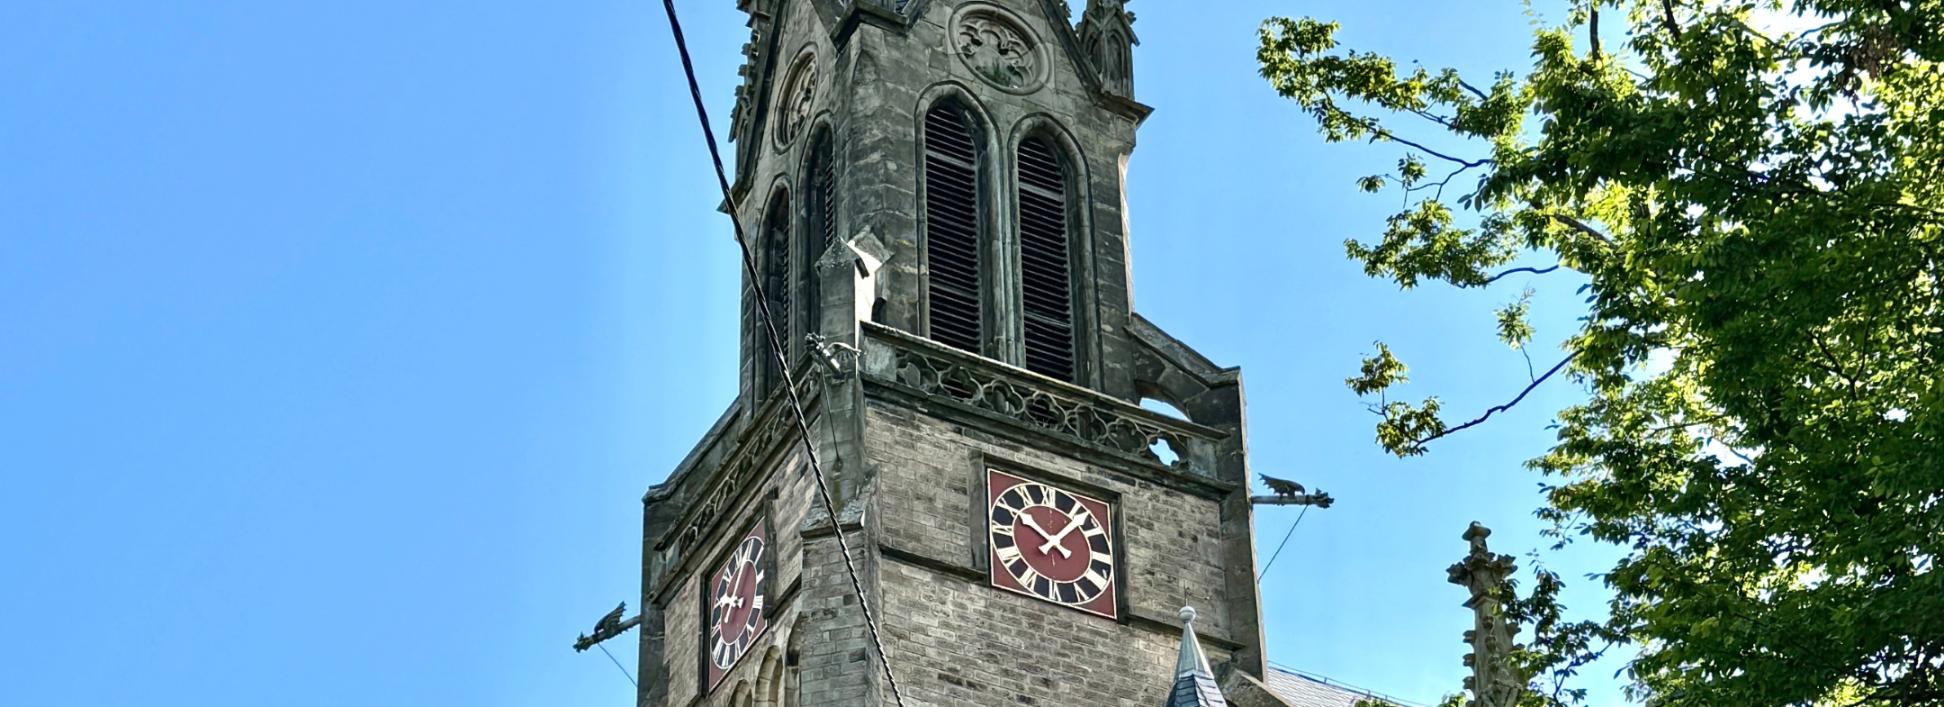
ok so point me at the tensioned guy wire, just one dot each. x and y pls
(1279, 546)
(776, 349)
(617, 665)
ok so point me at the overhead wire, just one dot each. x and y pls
(774, 341)
(617, 665)
(1279, 546)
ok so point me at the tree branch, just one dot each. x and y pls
(1496, 409)
(1535, 271)
(1378, 131)
(1581, 226)
(1667, 18)
(1433, 117)
(1835, 367)
(1685, 425)
(1442, 183)
(1593, 27)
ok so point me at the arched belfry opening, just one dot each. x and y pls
(777, 272)
(1046, 259)
(954, 219)
(820, 221)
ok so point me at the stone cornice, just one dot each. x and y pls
(729, 484)
(1041, 411)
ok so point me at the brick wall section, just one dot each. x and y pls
(959, 642)
(926, 470)
(838, 666)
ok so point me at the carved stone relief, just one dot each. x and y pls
(797, 102)
(998, 49)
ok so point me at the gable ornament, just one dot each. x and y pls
(998, 50)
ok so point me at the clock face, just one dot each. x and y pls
(733, 612)
(1051, 543)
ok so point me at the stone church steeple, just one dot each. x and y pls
(934, 190)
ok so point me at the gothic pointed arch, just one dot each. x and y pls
(955, 221)
(774, 267)
(1048, 226)
(819, 218)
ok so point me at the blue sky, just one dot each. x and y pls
(339, 341)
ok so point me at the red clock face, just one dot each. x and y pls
(733, 612)
(1051, 543)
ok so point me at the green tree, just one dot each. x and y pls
(1753, 194)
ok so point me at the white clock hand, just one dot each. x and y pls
(1053, 540)
(735, 583)
(1027, 518)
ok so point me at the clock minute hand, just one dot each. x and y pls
(1027, 518)
(735, 583)
(1054, 539)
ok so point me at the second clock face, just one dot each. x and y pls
(733, 614)
(1051, 543)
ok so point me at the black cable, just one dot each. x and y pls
(776, 349)
(1279, 546)
(617, 664)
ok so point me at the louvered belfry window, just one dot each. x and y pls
(1046, 270)
(951, 228)
(776, 287)
(952, 224)
(822, 223)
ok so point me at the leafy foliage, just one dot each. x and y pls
(1758, 214)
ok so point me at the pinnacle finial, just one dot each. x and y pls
(1187, 614)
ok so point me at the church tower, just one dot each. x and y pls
(934, 190)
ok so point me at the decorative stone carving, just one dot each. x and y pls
(1106, 33)
(998, 50)
(1494, 681)
(1078, 415)
(740, 468)
(797, 102)
(742, 116)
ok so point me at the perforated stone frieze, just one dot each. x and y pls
(998, 48)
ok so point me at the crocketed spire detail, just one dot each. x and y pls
(1107, 36)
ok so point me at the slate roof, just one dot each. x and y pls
(1304, 691)
(1194, 684)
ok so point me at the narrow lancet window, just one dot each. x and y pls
(821, 223)
(776, 271)
(1046, 260)
(953, 221)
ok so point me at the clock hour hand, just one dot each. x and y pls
(1052, 542)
